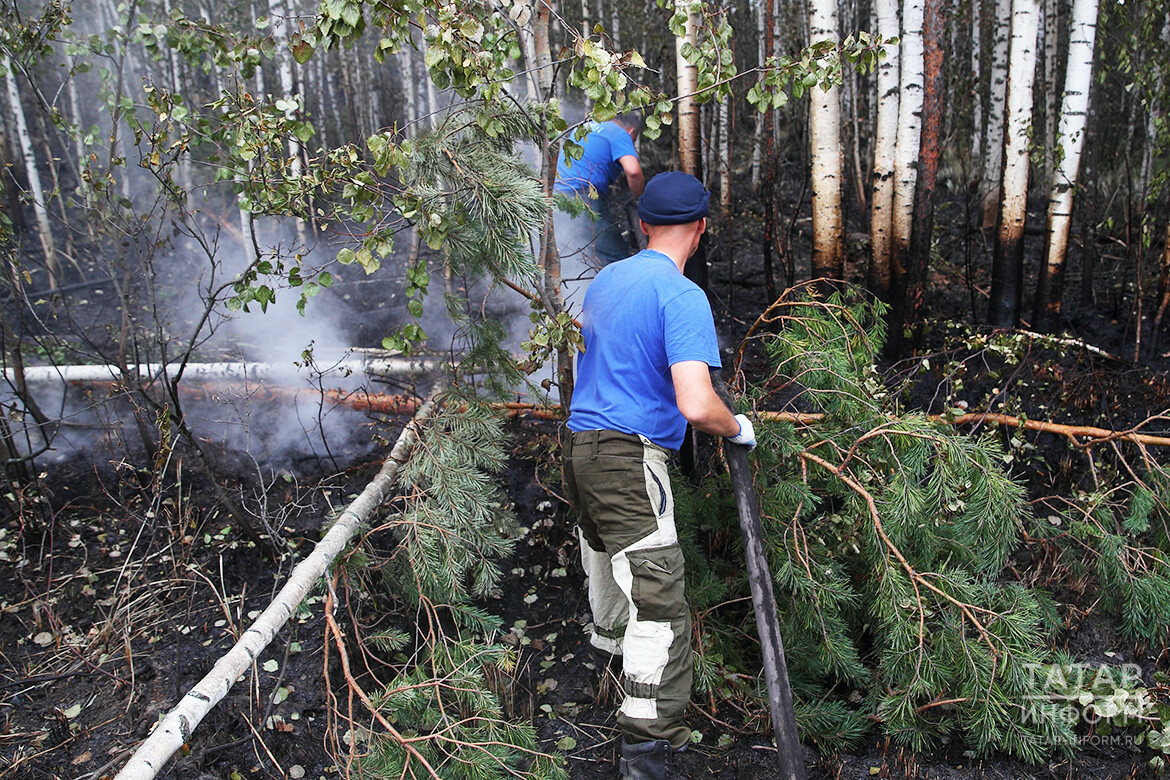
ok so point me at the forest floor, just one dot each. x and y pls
(123, 595)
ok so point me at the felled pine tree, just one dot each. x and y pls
(452, 527)
(1118, 538)
(475, 204)
(887, 534)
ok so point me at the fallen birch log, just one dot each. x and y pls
(225, 372)
(178, 724)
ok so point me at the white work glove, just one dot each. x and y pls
(746, 435)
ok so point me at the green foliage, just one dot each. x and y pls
(449, 707)
(1121, 538)
(450, 532)
(887, 533)
(454, 524)
(820, 64)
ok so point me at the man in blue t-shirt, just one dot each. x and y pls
(594, 237)
(650, 345)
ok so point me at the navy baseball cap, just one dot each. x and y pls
(673, 198)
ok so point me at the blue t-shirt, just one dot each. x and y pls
(640, 317)
(605, 144)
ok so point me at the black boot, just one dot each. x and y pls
(645, 760)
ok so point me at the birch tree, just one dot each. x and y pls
(976, 82)
(909, 296)
(909, 136)
(688, 84)
(1074, 111)
(289, 102)
(996, 96)
(828, 254)
(1051, 16)
(32, 173)
(884, 147)
(1007, 269)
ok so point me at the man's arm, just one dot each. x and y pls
(697, 400)
(634, 176)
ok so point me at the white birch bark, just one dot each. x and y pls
(178, 724)
(247, 221)
(1050, 91)
(997, 94)
(884, 148)
(725, 109)
(373, 365)
(36, 190)
(615, 25)
(976, 83)
(909, 127)
(1022, 74)
(825, 143)
(1153, 113)
(280, 22)
(758, 143)
(182, 167)
(1074, 112)
(688, 107)
(1007, 262)
(78, 120)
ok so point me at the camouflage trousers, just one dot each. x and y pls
(619, 487)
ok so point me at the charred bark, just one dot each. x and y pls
(918, 265)
(1007, 268)
(1073, 115)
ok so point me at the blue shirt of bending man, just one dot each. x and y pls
(594, 238)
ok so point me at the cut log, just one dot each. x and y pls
(178, 724)
(236, 371)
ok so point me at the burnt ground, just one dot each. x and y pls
(120, 604)
(123, 592)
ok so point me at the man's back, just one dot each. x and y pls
(641, 316)
(598, 167)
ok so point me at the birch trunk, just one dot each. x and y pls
(689, 150)
(247, 221)
(726, 127)
(909, 139)
(614, 27)
(689, 129)
(1051, 15)
(976, 83)
(183, 177)
(1074, 112)
(79, 122)
(825, 143)
(923, 230)
(767, 177)
(763, 119)
(884, 147)
(178, 724)
(997, 94)
(284, 69)
(32, 173)
(1007, 268)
